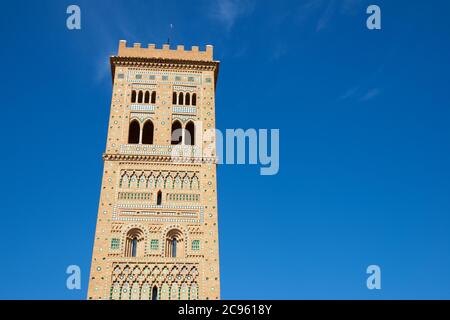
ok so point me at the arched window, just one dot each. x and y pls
(147, 133)
(188, 99)
(159, 198)
(174, 244)
(133, 96)
(174, 247)
(140, 96)
(134, 243)
(189, 135)
(155, 293)
(147, 97)
(134, 132)
(154, 97)
(133, 247)
(180, 98)
(194, 99)
(177, 133)
(174, 98)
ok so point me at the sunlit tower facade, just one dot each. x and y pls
(157, 227)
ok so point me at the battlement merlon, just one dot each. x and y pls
(180, 53)
(193, 59)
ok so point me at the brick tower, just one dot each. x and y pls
(157, 232)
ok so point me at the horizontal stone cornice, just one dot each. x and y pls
(160, 63)
(158, 158)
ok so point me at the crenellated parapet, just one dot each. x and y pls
(166, 52)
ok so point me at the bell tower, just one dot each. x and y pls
(157, 229)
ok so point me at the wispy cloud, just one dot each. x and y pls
(308, 8)
(350, 7)
(369, 95)
(350, 93)
(109, 22)
(226, 12)
(359, 94)
(278, 51)
(325, 11)
(326, 15)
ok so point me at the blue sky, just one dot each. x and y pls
(364, 141)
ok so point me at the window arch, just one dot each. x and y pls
(140, 96)
(133, 96)
(177, 133)
(174, 243)
(194, 99)
(134, 243)
(133, 132)
(189, 136)
(174, 98)
(154, 97)
(180, 98)
(159, 198)
(147, 132)
(187, 99)
(147, 97)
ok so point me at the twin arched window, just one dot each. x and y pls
(134, 243)
(186, 136)
(174, 243)
(143, 96)
(189, 135)
(134, 132)
(184, 99)
(147, 133)
(174, 247)
(177, 134)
